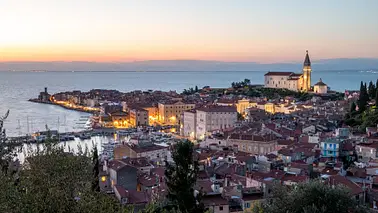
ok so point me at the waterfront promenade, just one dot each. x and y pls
(67, 105)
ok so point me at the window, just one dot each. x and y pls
(220, 208)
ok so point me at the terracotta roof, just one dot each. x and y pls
(160, 171)
(295, 178)
(204, 185)
(122, 192)
(337, 179)
(141, 149)
(279, 73)
(136, 162)
(285, 142)
(218, 109)
(320, 83)
(373, 145)
(210, 200)
(257, 196)
(148, 180)
(136, 197)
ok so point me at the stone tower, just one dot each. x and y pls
(307, 73)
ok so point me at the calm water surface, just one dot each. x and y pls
(17, 87)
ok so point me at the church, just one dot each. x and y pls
(290, 80)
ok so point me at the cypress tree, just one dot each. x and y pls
(371, 90)
(181, 176)
(362, 100)
(353, 107)
(376, 98)
(366, 94)
(96, 172)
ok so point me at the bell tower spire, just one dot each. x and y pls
(307, 73)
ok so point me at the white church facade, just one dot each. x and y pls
(290, 80)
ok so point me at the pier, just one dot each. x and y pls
(64, 136)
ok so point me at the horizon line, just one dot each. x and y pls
(152, 60)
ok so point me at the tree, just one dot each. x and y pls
(181, 177)
(196, 89)
(7, 148)
(352, 107)
(96, 172)
(371, 90)
(246, 82)
(363, 98)
(52, 180)
(376, 98)
(312, 197)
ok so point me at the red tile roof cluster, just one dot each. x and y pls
(337, 179)
(215, 108)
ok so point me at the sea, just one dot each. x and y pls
(27, 117)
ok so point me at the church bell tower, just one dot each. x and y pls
(307, 73)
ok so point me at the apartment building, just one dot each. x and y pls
(214, 118)
(170, 112)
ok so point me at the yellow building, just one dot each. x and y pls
(170, 113)
(270, 108)
(244, 104)
(153, 114)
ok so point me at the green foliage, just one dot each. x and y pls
(371, 90)
(95, 170)
(7, 148)
(189, 91)
(365, 116)
(181, 178)
(272, 93)
(52, 180)
(352, 107)
(311, 197)
(241, 84)
(363, 98)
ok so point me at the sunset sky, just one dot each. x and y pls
(228, 30)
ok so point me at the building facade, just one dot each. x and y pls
(214, 118)
(169, 113)
(189, 124)
(290, 80)
(139, 117)
(253, 144)
(320, 87)
(330, 147)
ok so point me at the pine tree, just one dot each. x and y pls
(96, 172)
(376, 98)
(181, 177)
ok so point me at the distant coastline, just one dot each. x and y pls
(188, 65)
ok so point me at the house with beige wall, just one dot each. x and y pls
(170, 112)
